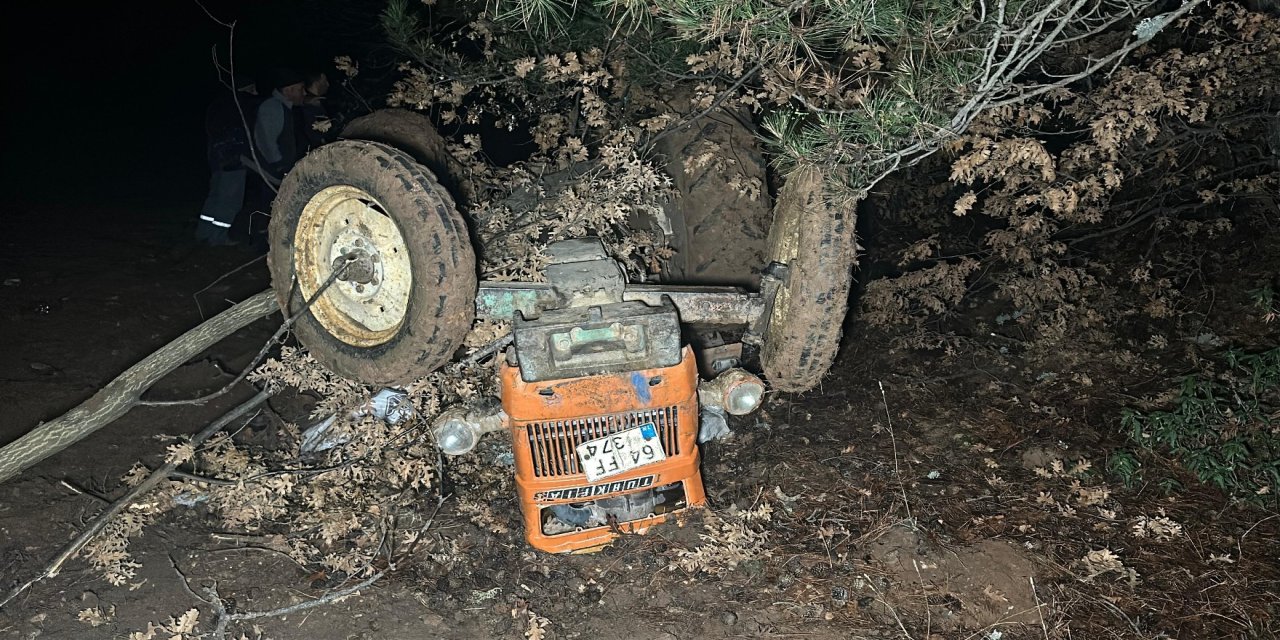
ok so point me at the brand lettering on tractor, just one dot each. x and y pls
(595, 490)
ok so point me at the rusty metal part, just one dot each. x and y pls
(703, 305)
(362, 266)
(723, 306)
(581, 274)
(771, 280)
(714, 360)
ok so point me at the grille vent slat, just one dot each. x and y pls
(553, 445)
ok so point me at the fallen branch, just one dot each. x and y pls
(156, 477)
(715, 104)
(284, 328)
(196, 295)
(125, 392)
(225, 618)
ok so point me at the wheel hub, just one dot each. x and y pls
(362, 275)
(344, 229)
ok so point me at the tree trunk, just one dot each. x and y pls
(123, 393)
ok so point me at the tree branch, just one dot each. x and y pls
(154, 478)
(125, 391)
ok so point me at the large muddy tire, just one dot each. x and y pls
(815, 239)
(414, 134)
(406, 297)
(720, 221)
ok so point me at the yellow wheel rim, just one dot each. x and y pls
(345, 226)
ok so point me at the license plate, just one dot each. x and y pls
(621, 452)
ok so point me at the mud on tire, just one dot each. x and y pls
(397, 196)
(414, 134)
(815, 239)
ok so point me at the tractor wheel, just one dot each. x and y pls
(719, 224)
(815, 239)
(406, 296)
(414, 134)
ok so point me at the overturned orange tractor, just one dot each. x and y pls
(602, 393)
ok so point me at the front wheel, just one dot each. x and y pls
(815, 238)
(404, 298)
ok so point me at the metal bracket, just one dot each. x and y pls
(772, 279)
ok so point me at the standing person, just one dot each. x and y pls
(227, 138)
(274, 134)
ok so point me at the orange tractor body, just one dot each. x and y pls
(603, 400)
(562, 510)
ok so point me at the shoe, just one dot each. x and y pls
(211, 236)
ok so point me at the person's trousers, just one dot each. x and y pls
(225, 199)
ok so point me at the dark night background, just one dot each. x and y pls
(105, 102)
(104, 173)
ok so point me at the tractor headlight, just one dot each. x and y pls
(454, 434)
(735, 391)
(459, 428)
(744, 397)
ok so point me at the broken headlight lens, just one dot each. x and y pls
(454, 434)
(744, 397)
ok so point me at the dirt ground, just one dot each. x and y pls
(911, 496)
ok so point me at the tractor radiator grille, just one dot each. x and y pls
(554, 444)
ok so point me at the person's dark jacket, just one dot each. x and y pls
(226, 132)
(275, 135)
